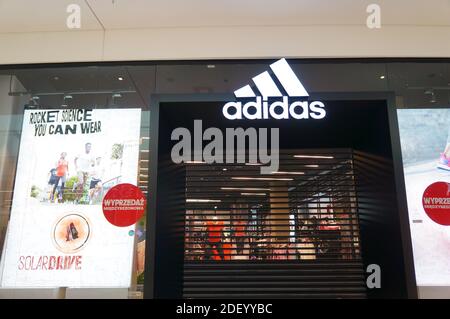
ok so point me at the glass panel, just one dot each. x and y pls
(90, 87)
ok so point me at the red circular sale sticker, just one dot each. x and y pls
(436, 202)
(123, 205)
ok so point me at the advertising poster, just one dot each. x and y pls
(58, 235)
(425, 143)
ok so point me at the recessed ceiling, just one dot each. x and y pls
(409, 80)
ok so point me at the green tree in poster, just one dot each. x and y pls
(69, 193)
(34, 191)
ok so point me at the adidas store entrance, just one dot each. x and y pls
(324, 224)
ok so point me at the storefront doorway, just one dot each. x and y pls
(308, 231)
(290, 234)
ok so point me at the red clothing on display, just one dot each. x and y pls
(226, 252)
(329, 227)
(240, 229)
(227, 247)
(214, 231)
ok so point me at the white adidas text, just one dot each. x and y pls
(279, 110)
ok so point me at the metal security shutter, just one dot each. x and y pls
(274, 280)
(289, 234)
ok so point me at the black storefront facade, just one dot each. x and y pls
(335, 213)
(347, 167)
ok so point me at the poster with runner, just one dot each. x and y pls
(58, 235)
(425, 144)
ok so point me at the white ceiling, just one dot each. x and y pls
(42, 15)
(176, 13)
(50, 15)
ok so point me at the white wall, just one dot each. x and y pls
(224, 43)
(36, 32)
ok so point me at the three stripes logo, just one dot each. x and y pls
(272, 103)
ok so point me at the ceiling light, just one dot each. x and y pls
(312, 165)
(224, 169)
(116, 95)
(382, 77)
(432, 95)
(313, 156)
(433, 98)
(210, 66)
(195, 200)
(253, 194)
(289, 173)
(56, 78)
(261, 179)
(244, 189)
(195, 162)
(120, 78)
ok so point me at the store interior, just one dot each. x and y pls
(305, 211)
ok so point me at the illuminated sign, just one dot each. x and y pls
(58, 235)
(272, 103)
(425, 145)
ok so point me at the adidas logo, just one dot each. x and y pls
(281, 106)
